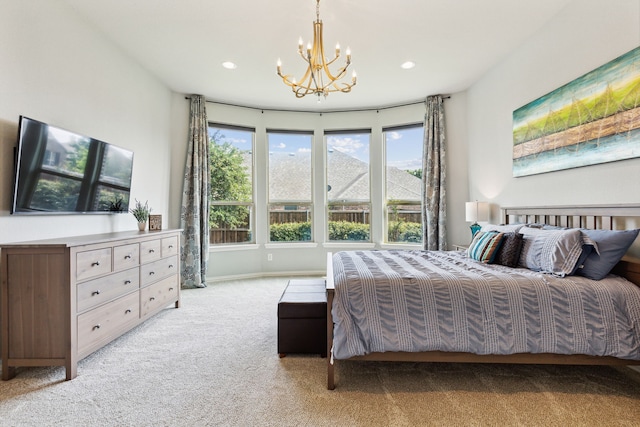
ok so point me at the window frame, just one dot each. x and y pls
(251, 204)
(327, 133)
(270, 204)
(387, 202)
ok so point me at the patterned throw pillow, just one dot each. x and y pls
(485, 245)
(509, 251)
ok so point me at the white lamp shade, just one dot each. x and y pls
(476, 211)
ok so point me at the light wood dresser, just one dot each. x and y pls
(62, 299)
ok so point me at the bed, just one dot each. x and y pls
(432, 306)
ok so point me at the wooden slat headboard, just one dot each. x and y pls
(591, 216)
(599, 217)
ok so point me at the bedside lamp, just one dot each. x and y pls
(474, 212)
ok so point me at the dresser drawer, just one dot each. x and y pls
(169, 246)
(150, 250)
(98, 291)
(126, 256)
(157, 270)
(98, 325)
(93, 263)
(158, 295)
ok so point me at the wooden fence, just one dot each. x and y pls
(242, 235)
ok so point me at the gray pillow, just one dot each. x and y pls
(550, 251)
(612, 245)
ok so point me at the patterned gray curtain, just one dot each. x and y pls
(434, 177)
(194, 216)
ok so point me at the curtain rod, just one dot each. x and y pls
(355, 110)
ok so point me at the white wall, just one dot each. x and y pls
(248, 260)
(57, 69)
(585, 35)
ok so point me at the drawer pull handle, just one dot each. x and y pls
(170, 246)
(127, 282)
(151, 273)
(152, 299)
(170, 289)
(151, 251)
(127, 311)
(95, 264)
(96, 327)
(170, 265)
(95, 292)
(127, 257)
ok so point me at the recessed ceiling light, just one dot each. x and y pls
(229, 65)
(408, 65)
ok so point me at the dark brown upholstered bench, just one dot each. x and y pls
(302, 318)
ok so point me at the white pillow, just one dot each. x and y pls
(504, 228)
(550, 251)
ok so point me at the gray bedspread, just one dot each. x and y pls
(427, 300)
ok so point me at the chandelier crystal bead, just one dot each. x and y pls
(318, 79)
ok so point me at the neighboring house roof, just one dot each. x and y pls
(348, 179)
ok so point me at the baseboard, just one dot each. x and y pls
(320, 273)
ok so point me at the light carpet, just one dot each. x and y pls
(214, 362)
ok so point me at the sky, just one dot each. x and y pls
(404, 147)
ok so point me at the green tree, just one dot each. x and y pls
(415, 172)
(229, 182)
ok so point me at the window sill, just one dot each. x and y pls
(233, 247)
(367, 245)
(287, 245)
(400, 246)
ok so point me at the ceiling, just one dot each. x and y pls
(183, 43)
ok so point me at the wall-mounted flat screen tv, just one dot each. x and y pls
(59, 172)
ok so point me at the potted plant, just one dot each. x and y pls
(141, 214)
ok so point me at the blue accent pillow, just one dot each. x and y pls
(612, 245)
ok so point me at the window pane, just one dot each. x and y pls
(403, 185)
(404, 223)
(350, 222)
(239, 232)
(289, 167)
(231, 164)
(290, 223)
(290, 187)
(348, 187)
(231, 193)
(348, 167)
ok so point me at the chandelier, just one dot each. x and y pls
(318, 79)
